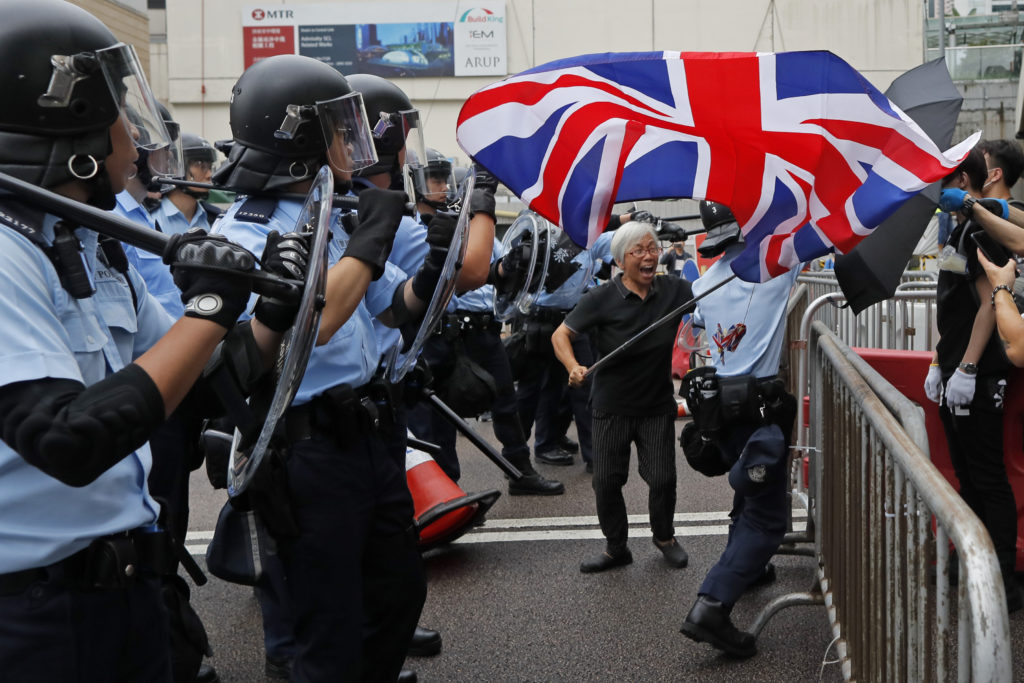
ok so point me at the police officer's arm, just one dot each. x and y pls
(476, 264)
(410, 299)
(371, 236)
(75, 433)
(561, 341)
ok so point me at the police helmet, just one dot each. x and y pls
(395, 122)
(722, 229)
(289, 115)
(195, 149)
(438, 168)
(66, 81)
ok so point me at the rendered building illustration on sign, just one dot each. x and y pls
(432, 39)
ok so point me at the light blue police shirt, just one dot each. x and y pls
(46, 333)
(151, 266)
(759, 306)
(351, 355)
(173, 222)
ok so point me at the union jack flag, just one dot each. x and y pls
(809, 156)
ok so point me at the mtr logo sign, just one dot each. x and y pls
(261, 14)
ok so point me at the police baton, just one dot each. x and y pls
(126, 231)
(463, 427)
(340, 201)
(655, 325)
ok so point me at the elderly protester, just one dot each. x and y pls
(631, 399)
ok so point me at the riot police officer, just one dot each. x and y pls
(354, 581)
(185, 207)
(90, 364)
(745, 323)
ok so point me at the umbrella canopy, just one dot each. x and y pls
(871, 271)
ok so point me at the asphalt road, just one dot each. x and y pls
(512, 605)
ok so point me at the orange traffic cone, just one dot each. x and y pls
(682, 407)
(443, 511)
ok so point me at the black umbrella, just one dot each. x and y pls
(871, 271)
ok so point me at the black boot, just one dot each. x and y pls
(709, 622)
(425, 643)
(532, 483)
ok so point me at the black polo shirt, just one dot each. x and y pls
(639, 381)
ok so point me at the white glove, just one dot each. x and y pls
(933, 384)
(960, 389)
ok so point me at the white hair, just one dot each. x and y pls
(628, 236)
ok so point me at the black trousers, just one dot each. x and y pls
(50, 632)
(544, 386)
(354, 574)
(654, 436)
(976, 450)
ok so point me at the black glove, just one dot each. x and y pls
(642, 216)
(439, 237)
(285, 256)
(514, 265)
(484, 187)
(208, 270)
(373, 229)
(670, 232)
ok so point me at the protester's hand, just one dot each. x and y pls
(484, 186)
(999, 275)
(372, 229)
(933, 384)
(999, 207)
(439, 237)
(952, 199)
(577, 376)
(285, 256)
(211, 273)
(960, 389)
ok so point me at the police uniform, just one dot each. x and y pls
(757, 450)
(542, 390)
(354, 578)
(46, 527)
(151, 266)
(470, 317)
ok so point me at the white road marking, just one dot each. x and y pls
(505, 530)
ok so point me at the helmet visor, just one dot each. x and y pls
(433, 181)
(146, 127)
(348, 137)
(412, 129)
(167, 160)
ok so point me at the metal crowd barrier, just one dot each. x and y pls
(880, 515)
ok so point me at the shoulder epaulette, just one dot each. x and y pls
(257, 210)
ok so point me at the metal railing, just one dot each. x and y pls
(876, 498)
(879, 514)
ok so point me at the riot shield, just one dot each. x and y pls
(315, 218)
(530, 230)
(399, 362)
